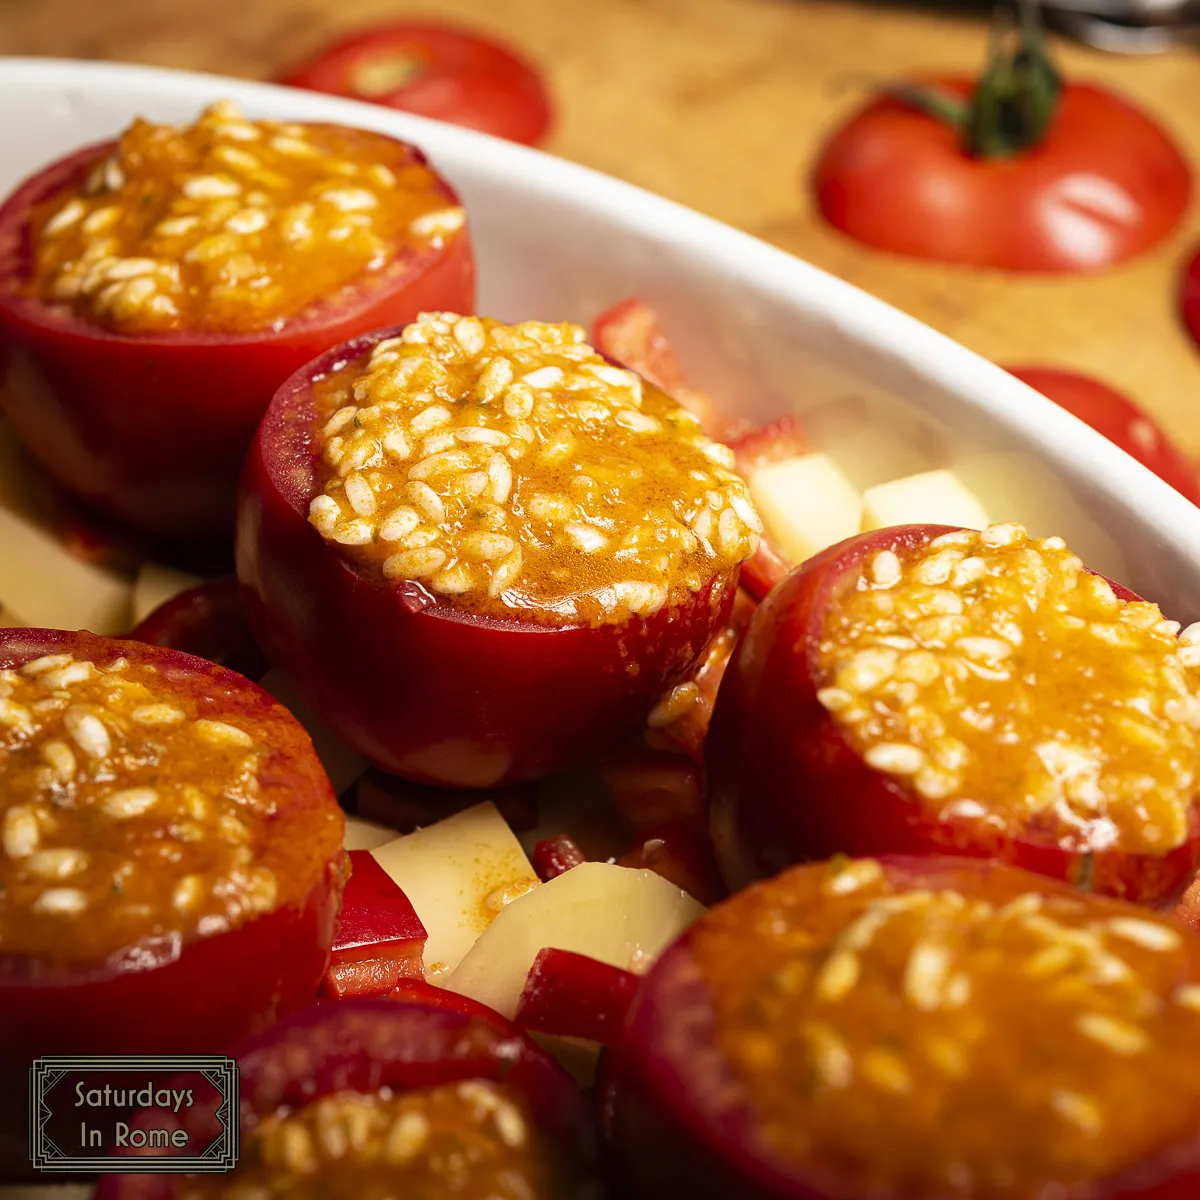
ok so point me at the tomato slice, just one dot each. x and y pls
(438, 71)
(1119, 419)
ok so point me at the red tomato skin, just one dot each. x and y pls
(208, 621)
(555, 856)
(191, 1001)
(570, 995)
(153, 430)
(1105, 184)
(1113, 414)
(785, 786)
(1190, 296)
(463, 78)
(680, 1124)
(388, 668)
(366, 1044)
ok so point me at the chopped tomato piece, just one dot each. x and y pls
(553, 856)
(380, 938)
(630, 333)
(439, 71)
(572, 995)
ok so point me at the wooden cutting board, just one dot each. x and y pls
(721, 104)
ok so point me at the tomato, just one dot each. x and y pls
(374, 1046)
(166, 995)
(1104, 184)
(208, 621)
(570, 995)
(380, 938)
(387, 665)
(1191, 296)
(630, 333)
(1120, 420)
(777, 442)
(437, 71)
(89, 402)
(857, 1028)
(554, 855)
(786, 783)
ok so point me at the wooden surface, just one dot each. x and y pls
(721, 104)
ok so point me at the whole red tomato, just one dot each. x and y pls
(1014, 170)
(1114, 415)
(436, 71)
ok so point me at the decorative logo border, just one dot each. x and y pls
(219, 1157)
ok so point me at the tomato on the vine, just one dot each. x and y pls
(438, 71)
(1016, 171)
(1119, 419)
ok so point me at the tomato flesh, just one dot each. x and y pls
(1106, 183)
(199, 996)
(786, 785)
(391, 681)
(436, 71)
(89, 403)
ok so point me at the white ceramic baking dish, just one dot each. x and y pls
(762, 331)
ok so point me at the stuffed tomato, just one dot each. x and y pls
(921, 690)
(368, 1099)
(481, 552)
(155, 291)
(171, 864)
(914, 1029)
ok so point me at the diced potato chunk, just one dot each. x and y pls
(458, 875)
(615, 914)
(930, 498)
(874, 454)
(807, 503)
